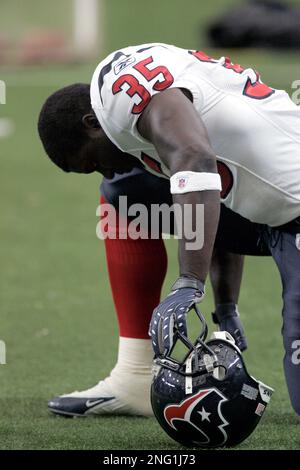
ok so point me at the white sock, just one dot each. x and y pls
(131, 377)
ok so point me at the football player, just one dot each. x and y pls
(213, 129)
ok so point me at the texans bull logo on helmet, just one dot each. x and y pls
(197, 416)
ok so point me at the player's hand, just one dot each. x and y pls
(171, 313)
(227, 317)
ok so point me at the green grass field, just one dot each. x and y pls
(57, 316)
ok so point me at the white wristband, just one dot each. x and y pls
(190, 181)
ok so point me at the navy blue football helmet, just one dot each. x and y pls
(208, 399)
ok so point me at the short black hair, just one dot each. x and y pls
(60, 123)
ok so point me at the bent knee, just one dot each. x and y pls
(295, 400)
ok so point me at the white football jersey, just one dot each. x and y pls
(253, 129)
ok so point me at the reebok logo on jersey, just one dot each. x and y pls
(122, 64)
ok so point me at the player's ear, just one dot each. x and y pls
(90, 121)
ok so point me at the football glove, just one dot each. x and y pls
(227, 317)
(171, 313)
